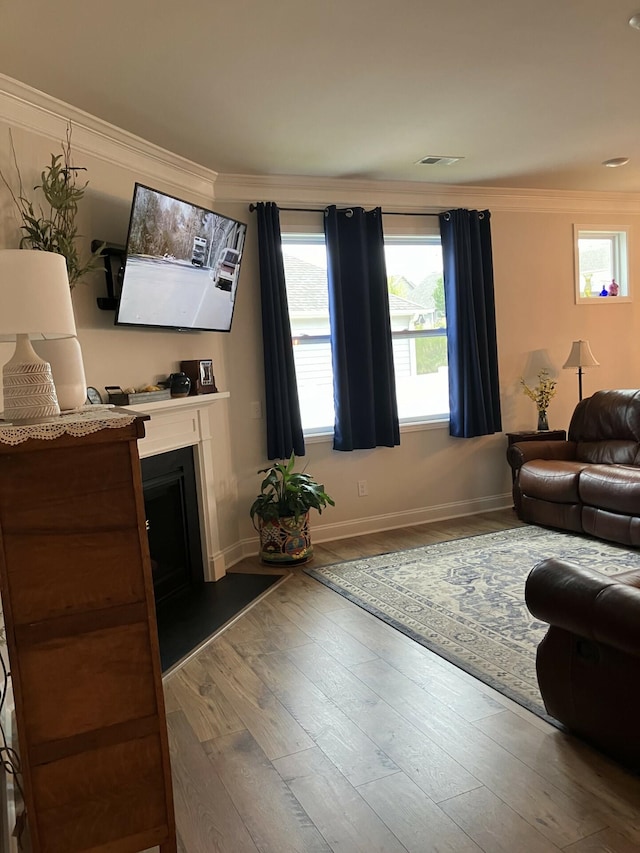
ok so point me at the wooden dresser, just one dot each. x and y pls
(79, 613)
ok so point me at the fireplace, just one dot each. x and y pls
(173, 528)
(187, 423)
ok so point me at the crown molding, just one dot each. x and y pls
(34, 111)
(397, 196)
(29, 109)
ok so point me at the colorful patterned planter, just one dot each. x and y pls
(285, 541)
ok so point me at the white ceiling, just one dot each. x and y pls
(532, 94)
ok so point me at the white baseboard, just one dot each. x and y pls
(380, 523)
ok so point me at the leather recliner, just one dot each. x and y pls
(589, 483)
(588, 663)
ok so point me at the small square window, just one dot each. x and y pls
(601, 265)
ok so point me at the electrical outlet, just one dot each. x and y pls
(256, 410)
(363, 488)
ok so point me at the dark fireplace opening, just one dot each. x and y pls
(188, 610)
(173, 526)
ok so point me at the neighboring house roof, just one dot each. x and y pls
(307, 291)
(306, 287)
(423, 292)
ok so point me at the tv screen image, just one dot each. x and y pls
(182, 265)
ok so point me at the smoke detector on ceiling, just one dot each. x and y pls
(615, 161)
(436, 160)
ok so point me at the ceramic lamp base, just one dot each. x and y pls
(28, 389)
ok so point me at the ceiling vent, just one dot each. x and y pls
(434, 160)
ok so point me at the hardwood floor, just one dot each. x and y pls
(309, 725)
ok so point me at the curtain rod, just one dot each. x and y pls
(253, 207)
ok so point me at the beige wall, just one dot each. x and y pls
(430, 475)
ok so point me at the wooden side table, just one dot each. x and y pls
(536, 435)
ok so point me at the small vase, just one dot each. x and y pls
(179, 384)
(543, 424)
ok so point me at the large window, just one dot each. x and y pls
(418, 325)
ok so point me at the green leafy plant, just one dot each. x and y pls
(285, 493)
(52, 227)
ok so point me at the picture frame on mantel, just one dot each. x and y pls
(200, 372)
(601, 264)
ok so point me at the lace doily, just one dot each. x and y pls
(92, 419)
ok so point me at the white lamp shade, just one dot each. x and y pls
(581, 356)
(35, 298)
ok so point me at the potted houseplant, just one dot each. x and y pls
(280, 513)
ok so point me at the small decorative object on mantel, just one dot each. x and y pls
(129, 396)
(200, 372)
(541, 394)
(179, 384)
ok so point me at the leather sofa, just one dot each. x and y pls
(589, 483)
(588, 663)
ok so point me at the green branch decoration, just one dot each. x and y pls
(52, 227)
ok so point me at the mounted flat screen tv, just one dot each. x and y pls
(181, 265)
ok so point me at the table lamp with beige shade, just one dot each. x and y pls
(35, 303)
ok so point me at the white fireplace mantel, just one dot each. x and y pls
(185, 422)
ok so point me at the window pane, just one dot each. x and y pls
(596, 265)
(305, 269)
(416, 303)
(601, 264)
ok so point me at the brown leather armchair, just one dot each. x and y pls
(588, 663)
(591, 482)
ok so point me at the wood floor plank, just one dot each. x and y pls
(429, 766)
(572, 766)
(320, 597)
(274, 817)
(418, 823)
(276, 627)
(606, 841)
(206, 818)
(345, 820)
(205, 706)
(171, 702)
(264, 716)
(341, 740)
(493, 825)
(421, 666)
(247, 638)
(339, 643)
(562, 818)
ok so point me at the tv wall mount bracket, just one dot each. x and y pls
(111, 252)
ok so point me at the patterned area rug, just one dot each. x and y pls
(464, 599)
